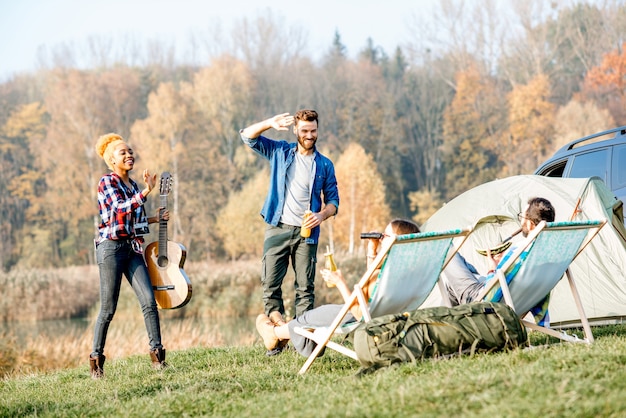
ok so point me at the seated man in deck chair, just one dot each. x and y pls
(465, 284)
(275, 331)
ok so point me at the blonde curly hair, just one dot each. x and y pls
(104, 149)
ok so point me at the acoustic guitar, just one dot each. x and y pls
(165, 259)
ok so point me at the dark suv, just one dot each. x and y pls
(602, 154)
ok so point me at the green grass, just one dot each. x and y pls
(573, 380)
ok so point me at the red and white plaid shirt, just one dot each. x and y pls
(118, 207)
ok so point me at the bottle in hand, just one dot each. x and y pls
(329, 263)
(305, 232)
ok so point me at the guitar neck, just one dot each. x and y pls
(163, 229)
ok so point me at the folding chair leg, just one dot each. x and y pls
(320, 343)
(560, 335)
(581, 312)
(342, 349)
(309, 361)
(325, 339)
(579, 305)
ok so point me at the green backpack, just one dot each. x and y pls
(437, 332)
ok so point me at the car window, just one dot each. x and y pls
(590, 164)
(619, 166)
(554, 170)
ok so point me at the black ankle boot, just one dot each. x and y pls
(96, 364)
(158, 358)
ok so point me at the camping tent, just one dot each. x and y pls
(599, 271)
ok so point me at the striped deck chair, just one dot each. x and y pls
(536, 266)
(406, 269)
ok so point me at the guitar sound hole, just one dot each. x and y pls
(162, 261)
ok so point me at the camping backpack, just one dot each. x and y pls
(438, 332)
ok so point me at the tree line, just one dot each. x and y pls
(466, 103)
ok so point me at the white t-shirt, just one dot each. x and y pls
(298, 191)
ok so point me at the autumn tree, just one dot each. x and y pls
(363, 206)
(531, 126)
(82, 106)
(239, 224)
(470, 133)
(563, 43)
(21, 194)
(577, 38)
(220, 95)
(218, 98)
(160, 142)
(421, 100)
(606, 84)
(424, 203)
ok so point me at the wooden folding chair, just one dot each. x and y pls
(535, 267)
(407, 269)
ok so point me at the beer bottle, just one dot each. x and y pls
(329, 263)
(305, 232)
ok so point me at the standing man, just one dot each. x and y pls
(300, 177)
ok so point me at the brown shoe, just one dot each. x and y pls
(278, 320)
(158, 358)
(265, 327)
(96, 364)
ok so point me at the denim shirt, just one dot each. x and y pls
(281, 155)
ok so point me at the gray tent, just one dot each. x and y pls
(599, 271)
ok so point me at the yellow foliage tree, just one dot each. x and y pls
(82, 105)
(220, 95)
(424, 203)
(363, 206)
(239, 224)
(26, 125)
(22, 193)
(160, 143)
(531, 126)
(470, 130)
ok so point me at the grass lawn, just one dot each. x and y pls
(562, 379)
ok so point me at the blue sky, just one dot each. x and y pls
(26, 25)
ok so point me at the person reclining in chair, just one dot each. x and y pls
(275, 331)
(464, 283)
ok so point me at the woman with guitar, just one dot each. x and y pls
(118, 247)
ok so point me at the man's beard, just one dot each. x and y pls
(301, 142)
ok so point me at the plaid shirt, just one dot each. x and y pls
(118, 207)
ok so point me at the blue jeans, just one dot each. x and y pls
(114, 259)
(282, 244)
